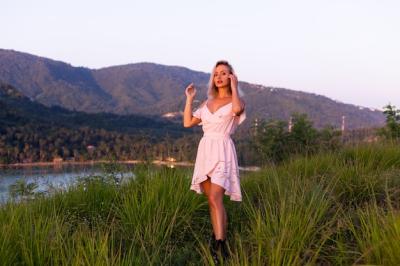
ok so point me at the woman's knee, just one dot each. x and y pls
(215, 199)
(205, 186)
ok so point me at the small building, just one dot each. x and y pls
(170, 159)
(90, 147)
(57, 160)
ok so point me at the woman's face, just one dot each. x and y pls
(221, 76)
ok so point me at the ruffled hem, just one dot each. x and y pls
(222, 182)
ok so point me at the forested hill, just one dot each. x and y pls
(18, 110)
(153, 89)
(31, 132)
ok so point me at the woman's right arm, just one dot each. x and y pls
(188, 119)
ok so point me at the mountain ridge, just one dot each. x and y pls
(155, 89)
(19, 110)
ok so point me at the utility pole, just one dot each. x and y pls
(255, 125)
(290, 124)
(343, 123)
(343, 126)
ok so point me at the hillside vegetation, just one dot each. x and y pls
(154, 89)
(333, 208)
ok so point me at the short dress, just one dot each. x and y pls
(216, 154)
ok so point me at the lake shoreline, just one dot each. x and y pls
(156, 162)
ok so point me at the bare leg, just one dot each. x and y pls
(206, 187)
(225, 223)
(219, 219)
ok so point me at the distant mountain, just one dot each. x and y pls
(18, 110)
(152, 89)
(32, 132)
(148, 88)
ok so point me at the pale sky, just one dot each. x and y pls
(348, 50)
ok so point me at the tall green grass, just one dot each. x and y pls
(339, 208)
(377, 235)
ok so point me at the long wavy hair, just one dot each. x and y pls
(212, 89)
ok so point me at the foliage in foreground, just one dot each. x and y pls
(329, 209)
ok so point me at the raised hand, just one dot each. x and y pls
(234, 81)
(190, 91)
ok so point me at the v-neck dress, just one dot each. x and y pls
(216, 154)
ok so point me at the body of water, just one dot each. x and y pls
(61, 176)
(58, 176)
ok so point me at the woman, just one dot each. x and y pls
(216, 169)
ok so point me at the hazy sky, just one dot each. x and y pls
(348, 50)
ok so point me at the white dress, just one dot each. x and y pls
(216, 154)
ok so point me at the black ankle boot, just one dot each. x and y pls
(213, 244)
(215, 254)
(223, 248)
(219, 250)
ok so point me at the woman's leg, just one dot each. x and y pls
(206, 187)
(215, 195)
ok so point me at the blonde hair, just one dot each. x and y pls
(212, 89)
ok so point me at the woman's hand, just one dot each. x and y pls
(188, 119)
(237, 104)
(234, 81)
(190, 92)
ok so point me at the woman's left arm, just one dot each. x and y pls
(237, 103)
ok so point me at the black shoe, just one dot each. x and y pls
(213, 244)
(219, 250)
(223, 248)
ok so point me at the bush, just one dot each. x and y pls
(275, 143)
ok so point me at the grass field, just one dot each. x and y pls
(339, 208)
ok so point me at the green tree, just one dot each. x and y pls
(303, 137)
(275, 143)
(270, 140)
(392, 129)
(329, 138)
